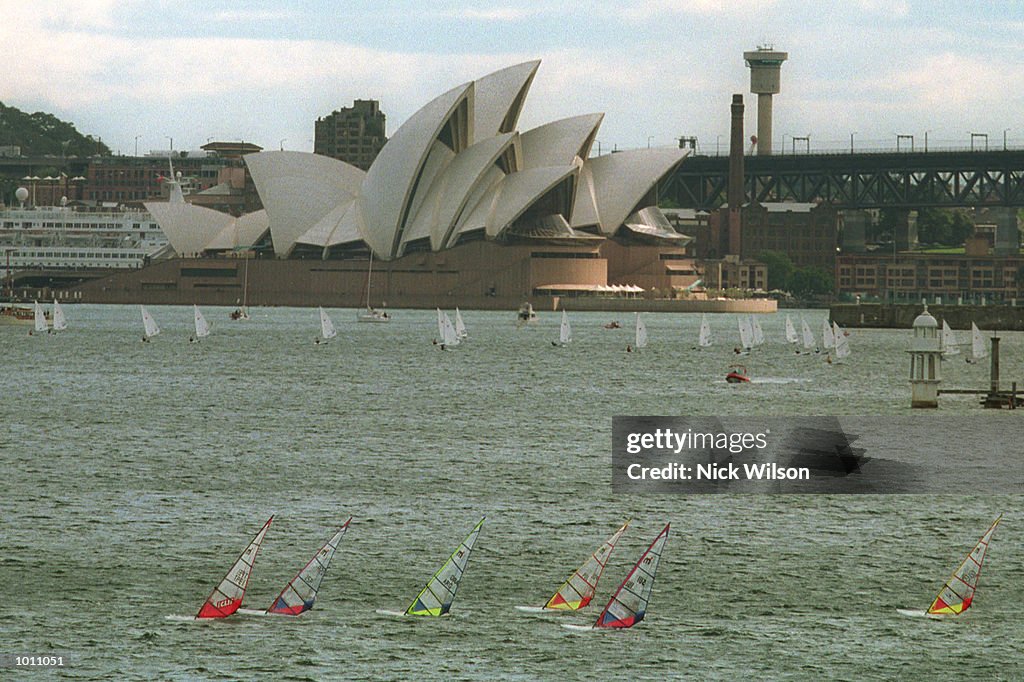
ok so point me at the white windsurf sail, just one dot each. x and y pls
(842, 344)
(828, 339)
(564, 330)
(957, 595)
(327, 330)
(808, 336)
(641, 332)
(460, 326)
(148, 323)
(40, 318)
(791, 336)
(60, 322)
(628, 605)
(949, 344)
(436, 598)
(202, 326)
(704, 338)
(978, 348)
(227, 597)
(576, 592)
(758, 333)
(298, 596)
(445, 328)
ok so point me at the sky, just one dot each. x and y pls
(140, 74)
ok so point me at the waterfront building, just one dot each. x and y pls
(459, 203)
(912, 276)
(352, 134)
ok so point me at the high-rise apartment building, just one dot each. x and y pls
(352, 134)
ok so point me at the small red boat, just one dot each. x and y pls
(737, 375)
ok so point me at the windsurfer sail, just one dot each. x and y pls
(957, 595)
(436, 598)
(327, 330)
(576, 592)
(298, 596)
(628, 605)
(227, 597)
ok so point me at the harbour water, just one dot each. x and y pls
(134, 474)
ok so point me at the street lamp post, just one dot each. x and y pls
(851, 140)
(137, 145)
(718, 144)
(649, 138)
(1005, 130)
(926, 140)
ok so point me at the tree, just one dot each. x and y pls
(812, 281)
(780, 269)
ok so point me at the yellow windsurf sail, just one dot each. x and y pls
(957, 594)
(578, 590)
(436, 598)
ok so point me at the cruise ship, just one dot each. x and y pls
(78, 237)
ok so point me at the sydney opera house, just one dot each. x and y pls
(459, 207)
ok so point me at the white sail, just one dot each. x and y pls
(40, 318)
(978, 348)
(436, 598)
(641, 332)
(149, 323)
(564, 330)
(949, 344)
(842, 344)
(628, 605)
(808, 336)
(446, 330)
(704, 339)
(60, 323)
(460, 326)
(746, 333)
(227, 597)
(758, 333)
(327, 330)
(202, 326)
(828, 339)
(791, 336)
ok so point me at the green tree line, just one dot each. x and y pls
(40, 133)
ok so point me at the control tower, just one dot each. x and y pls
(765, 64)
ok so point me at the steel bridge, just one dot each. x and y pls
(908, 180)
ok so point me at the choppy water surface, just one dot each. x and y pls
(135, 473)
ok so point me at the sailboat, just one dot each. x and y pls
(949, 344)
(149, 324)
(791, 336)
(446, 330)
(60, 322)
(842, 344)
(641, 333)
(957, 595)
(298, 595)
(327, 330)
(371, 314)
(227, 597)
(460, 326)
(242, 313)
(808, 337)
(979, 350)
(576, 592)
(628, 605)
(828, 339)
(758, 333)
(564, 331)
(202, 326)
(436, 598)
(746, 334)
(40, 318)
(704, 338)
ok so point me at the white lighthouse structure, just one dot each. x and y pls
(925, 360)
